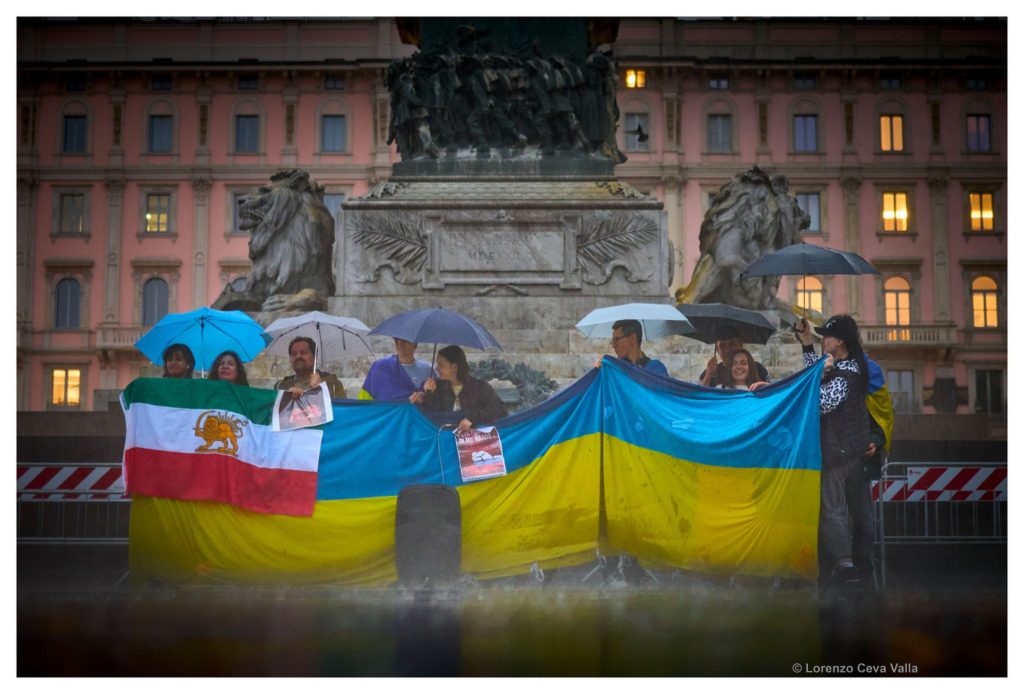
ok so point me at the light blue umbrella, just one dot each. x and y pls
(657, 320)
(207, 332)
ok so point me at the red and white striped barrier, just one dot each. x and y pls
(945, 484)
(75, 482)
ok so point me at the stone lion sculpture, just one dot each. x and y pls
(751, 216)
(291, 247)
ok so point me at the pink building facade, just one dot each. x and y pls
(136, 137)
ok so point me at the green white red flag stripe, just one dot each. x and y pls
(228, 454)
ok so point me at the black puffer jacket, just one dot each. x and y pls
(478, 401)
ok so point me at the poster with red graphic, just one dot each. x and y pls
(480, 454)
(310, 409)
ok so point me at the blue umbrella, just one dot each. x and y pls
(207, 332)
(437, 325)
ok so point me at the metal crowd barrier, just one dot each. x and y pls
(71, 504)
(938, 503)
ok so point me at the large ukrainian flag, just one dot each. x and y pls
(677, 475)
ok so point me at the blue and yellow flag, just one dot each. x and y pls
(676, 474)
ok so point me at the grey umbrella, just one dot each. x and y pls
(808, 259)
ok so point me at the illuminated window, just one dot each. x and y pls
(636, 79)
(895, 214)
(810, 294)
(896, 293)
(891, 126)
(979, 133)
(984, 298)
(66, 390)
(158, 212)
(982, 217)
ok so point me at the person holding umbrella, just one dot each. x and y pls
(302, 355)
(457, 391)
(727, 343)
(179, 361)
(398, 377)
(845, 436)
(627, 336)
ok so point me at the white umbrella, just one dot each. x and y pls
(337, 337)
(657, 320)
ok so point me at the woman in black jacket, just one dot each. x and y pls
(457, 391)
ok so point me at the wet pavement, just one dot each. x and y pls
(680, 626)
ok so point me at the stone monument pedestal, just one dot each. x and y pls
(526, 257)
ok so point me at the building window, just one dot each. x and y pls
(154, 301)
(982, 215)
(247, 134)
(718, 82)
(988, 391)
(74, 133)
(892, 132)
(67, 388)
(334, 82)
(332, 201)
(636, 79)
(985, 302)
(896, 293)
(976, 84)
(890, 82)
(901, 387)
(236, 206)
(805, 133)
(71, 214)
(76, 83)
(979, 133)
(811, 204)
(332, 133)
(720, 133)
(160, 134)
(66, 303)
(804, 81)
(638, 132)
(810, 294)
(158, 213)
(161, 83)
(895, 213)
(248, 83)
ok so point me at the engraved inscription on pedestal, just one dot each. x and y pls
(465, 251)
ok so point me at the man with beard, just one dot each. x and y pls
(302, 354)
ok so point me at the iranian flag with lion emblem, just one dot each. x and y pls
(202, 440)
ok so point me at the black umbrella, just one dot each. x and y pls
(753, 328)
(808, 259)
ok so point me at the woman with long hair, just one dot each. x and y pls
(740, 373)
(457, 391)
(845, 436)
(228, 367)
(178, 361)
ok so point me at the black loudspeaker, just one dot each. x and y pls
(428, 534)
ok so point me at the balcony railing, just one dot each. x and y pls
(118, 336)
(909, 335)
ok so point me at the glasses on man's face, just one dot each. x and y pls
(615, 339)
